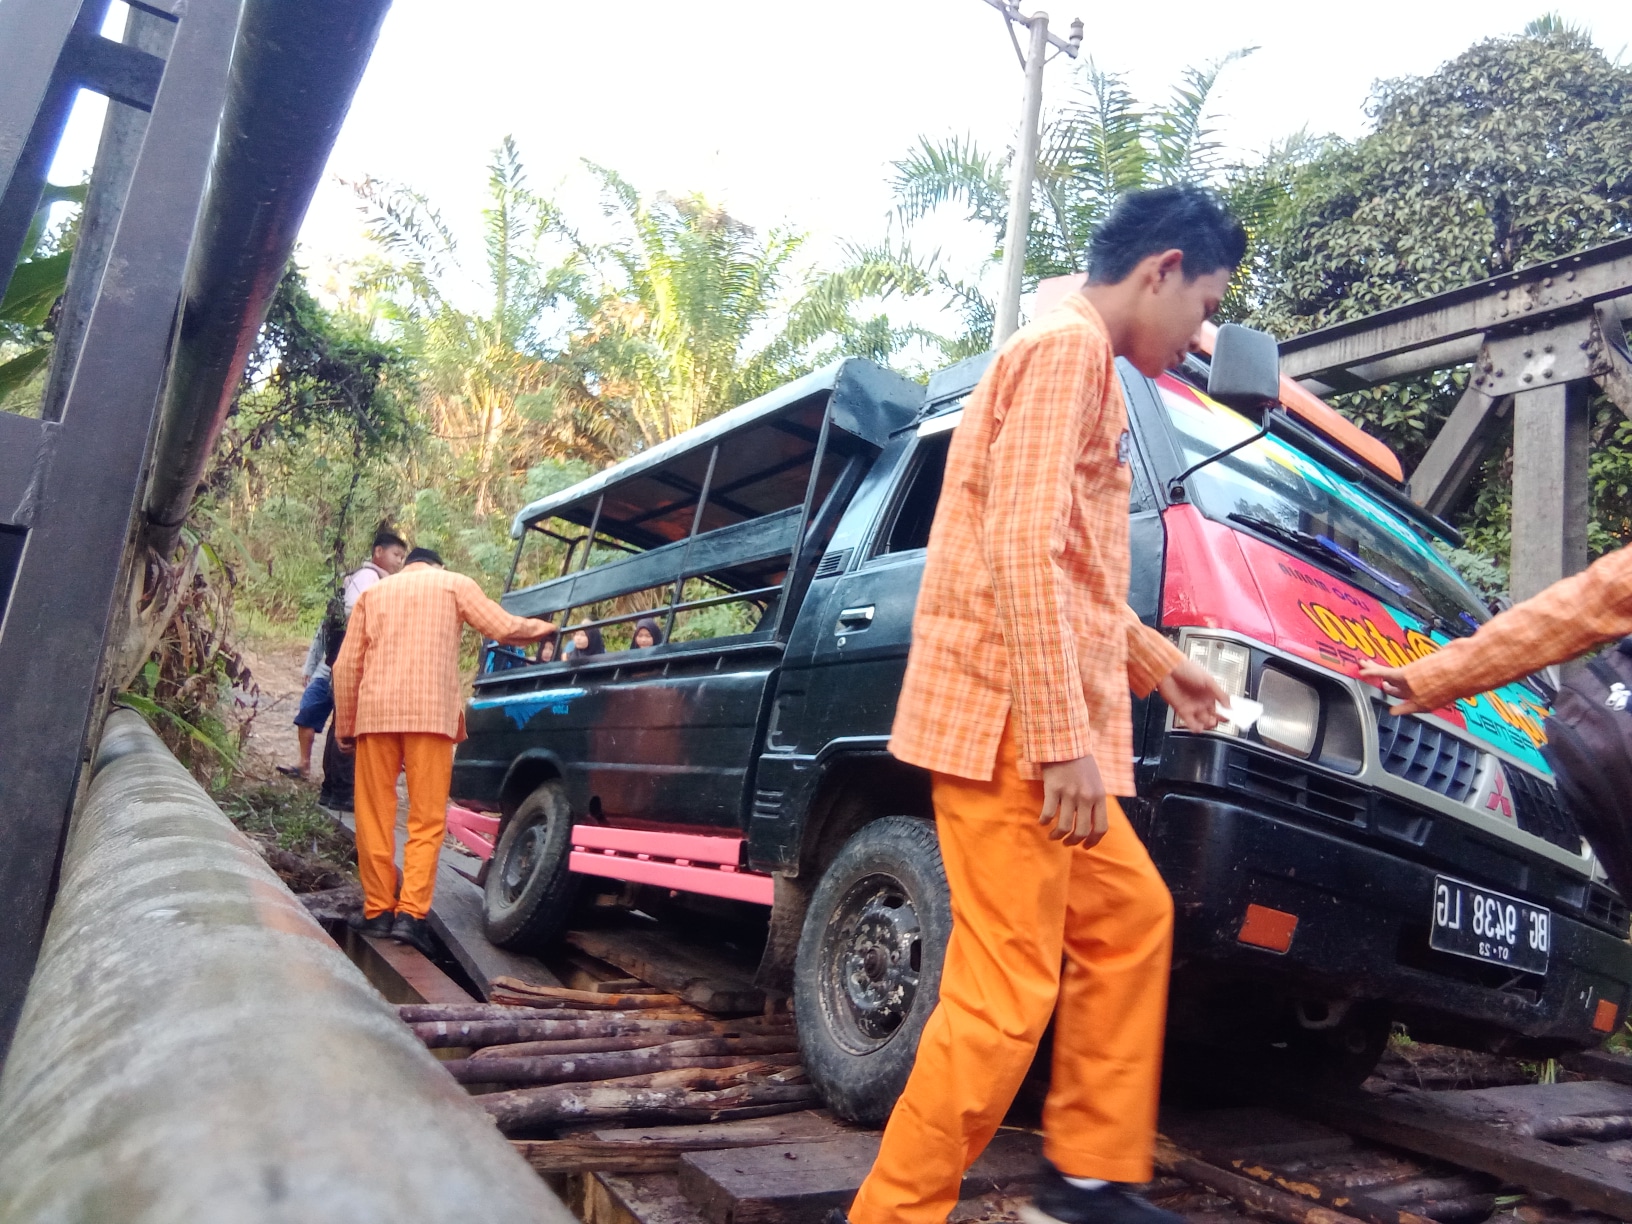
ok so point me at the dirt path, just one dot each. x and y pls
(275, 667)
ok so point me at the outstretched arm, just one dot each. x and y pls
(491, 620)
(1562, 622)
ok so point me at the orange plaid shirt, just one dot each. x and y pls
(1565, 620)
(1023, 606)
(399, 667)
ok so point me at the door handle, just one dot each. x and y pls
(853, 620)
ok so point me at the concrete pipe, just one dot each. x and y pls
(194, 1047)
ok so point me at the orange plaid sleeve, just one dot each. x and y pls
(1562, 622)
(1150, 655)
(1030, 495)
(491, 620)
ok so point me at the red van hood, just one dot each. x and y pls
(1220, 578)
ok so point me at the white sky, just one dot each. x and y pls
(790, 114)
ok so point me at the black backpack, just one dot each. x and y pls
(1589, 746)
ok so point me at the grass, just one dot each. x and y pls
(288, 813)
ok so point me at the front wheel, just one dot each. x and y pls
(868, 969)
(530, 893)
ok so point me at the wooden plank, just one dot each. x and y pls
(799, 1183)
(401, 973)
(647, 1199)
(704, 977)
(456, 917)
(1605, 1064)
(1435, 1124)
(657, 1149)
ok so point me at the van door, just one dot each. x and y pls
(671, 741)
(860, 651)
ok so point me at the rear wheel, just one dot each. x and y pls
(530, 893)
(868, 969)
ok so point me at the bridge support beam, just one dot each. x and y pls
(1550, 441)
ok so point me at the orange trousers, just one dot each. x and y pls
(380, 758)
(1022, 906)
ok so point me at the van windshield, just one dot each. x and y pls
(1280, 492)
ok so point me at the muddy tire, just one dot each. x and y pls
(529, 893)
(868, 969)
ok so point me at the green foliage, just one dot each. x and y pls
(287, 814)
(1099, 144)
(37, 283)
(193, 685)
(1517, 151)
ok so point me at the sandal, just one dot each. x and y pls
(291, 771)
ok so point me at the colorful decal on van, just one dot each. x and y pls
(1327, 621)
(522, 708)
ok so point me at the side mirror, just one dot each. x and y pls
(1246, 370)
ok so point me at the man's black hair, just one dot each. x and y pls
(1182, 218)
(427, 555)
(386, 538)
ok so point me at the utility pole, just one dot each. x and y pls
(1025, 169)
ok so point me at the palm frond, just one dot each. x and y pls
(953, 171)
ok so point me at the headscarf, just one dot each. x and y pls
(596, 644)
(651, 626)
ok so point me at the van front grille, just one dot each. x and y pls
(1306, 789)
(1539, 809)
(1422, 753)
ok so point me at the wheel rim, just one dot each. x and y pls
(872, 954)
(523, 860)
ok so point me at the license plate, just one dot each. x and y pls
(1489, 926)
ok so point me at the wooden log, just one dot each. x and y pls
(659, 1100)
(440, 1034)
(1600, 1129)
(588, 1068)
(512, 990)
(750, 1027)
(704, 975)
(609, 1064)
(1339, 1198)
(430, 1013)
(1278, 1205)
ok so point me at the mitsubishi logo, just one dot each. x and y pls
(1499, 800)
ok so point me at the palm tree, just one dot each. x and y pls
(1097, 145)
(695, 312)
(477, 366)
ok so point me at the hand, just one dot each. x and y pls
(1194, 695)
(1393, 682)
(346, 743)
(1074, 802)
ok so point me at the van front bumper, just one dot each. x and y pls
(1362, 933)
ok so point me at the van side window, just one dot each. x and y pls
(914, 509)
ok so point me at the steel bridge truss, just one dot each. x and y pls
(1540, 340)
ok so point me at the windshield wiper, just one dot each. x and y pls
(1319, 548)
(1301, 540)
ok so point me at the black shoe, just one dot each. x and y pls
(836, 1217)
(378, 926)
(1057, 1201)
(415, 932)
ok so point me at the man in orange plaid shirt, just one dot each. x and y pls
(398, 704)
(1028, 737)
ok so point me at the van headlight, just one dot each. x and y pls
(1291, 717)
(1227, 662)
